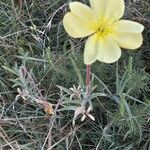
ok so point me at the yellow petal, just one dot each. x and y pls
(90, 50)
(129, 40)
(108, 9)
(108, 50)
(99, 7)
(115, 9)
(84, 12)
(76, 27)
(128, 26)
(104, 49)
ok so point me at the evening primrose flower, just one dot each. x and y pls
(105, 29)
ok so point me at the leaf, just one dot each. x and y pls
(122, 104)
(68, 108)
(71, 102)
(78, 111)
(94, 95)
(77, 71)
(9, 70)
(64, 89)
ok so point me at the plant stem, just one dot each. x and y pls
(88, 71)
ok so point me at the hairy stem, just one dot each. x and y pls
(88, 72)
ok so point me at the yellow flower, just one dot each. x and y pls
(106, 30)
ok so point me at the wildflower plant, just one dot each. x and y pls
(42, 78)
(28, 89)
(107, 33)
(76, 99)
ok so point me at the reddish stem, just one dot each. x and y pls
(88, 71)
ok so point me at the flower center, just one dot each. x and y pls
(102, 28)
(103, 31)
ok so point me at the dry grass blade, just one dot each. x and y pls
(6, 142)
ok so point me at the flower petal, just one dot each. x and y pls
(84, 12)
(115, 9)
(104, 49)
(129, 40)
(106, 9)
(90, 50)
(108, 50)
(76, 27)
(128, 26)
(99, 7)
